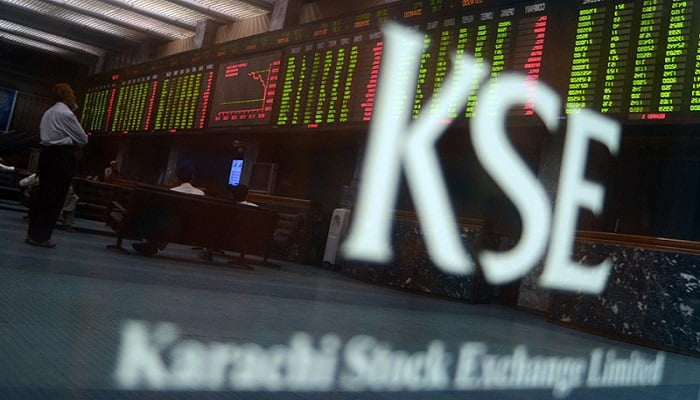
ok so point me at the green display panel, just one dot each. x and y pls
(96, 108)
(507, 38)
(617, 59)
(183, 99)
(636, 60)
(331, 81)
(134, 104)
(588, 50)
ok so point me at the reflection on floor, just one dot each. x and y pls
(79, 321)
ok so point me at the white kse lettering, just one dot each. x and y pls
(395, 143)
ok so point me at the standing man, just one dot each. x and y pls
(61, 136)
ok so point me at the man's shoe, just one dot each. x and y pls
(144, 248)
(67, 228)
(206, 255)
(48, 244)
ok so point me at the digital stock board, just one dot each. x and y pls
(330, 81)
(636, 58)
(637, 61)
(98, 106)
(184, 97)
(245, 91)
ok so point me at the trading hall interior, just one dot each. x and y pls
(376, 199)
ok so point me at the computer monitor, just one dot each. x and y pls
(234, 175)
(263, 178)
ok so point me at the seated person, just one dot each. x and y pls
(240, 194)
(4, 167)
(184, 176)
(30, 185)
(112, 172)
(70, 204)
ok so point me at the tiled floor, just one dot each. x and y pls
(65, 313)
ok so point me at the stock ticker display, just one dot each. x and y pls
(97, 107)
(636, 61)
(509, 38)
(134, 104)
(330, 81)
(636, 58)
(245, 91)
(184, 98)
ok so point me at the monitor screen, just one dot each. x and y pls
(234, 175)
(263, 178)
(8, 99)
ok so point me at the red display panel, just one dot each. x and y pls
(245, 91)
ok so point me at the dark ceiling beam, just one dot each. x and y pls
(41, 39)
(59, 27)
(153, 15)
(265, 5)
(133, 27)
(213, 14)
(73, 56)
(286, 14)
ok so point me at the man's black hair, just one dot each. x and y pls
(239, 192)
(184, 174)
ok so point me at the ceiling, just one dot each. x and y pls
(88, 29)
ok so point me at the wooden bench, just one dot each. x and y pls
(164, 215)
(95, 198)
(9, 185)
(301, 230)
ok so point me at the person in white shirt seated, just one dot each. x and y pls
(4, 167)
(184, 176)
(112, 173)
(240, 195)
